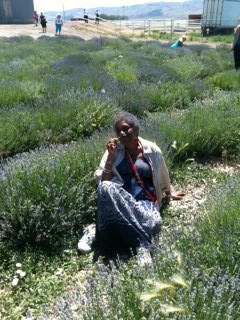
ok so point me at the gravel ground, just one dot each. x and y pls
(16, 30)
(76, 29)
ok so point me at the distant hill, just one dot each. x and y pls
(156, 10)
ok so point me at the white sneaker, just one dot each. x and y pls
(143, 255)
(85, 243)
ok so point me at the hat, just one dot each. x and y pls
(183, 38)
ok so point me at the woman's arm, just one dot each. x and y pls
(112, 150)
(104, 171)
(107, 170)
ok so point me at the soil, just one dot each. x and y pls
(77, 29)
(68, 29)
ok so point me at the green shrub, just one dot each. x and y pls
(209, 128)
(50, 97)
(227, 80)
(170, 95)
(19, 92)
(48, 195)
(198, 65)
(66, 118)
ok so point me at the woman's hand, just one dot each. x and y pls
(112, 146)
(178, 195)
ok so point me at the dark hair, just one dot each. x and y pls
(129, 119)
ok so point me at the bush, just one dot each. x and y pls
(48, 195)
(208, 128)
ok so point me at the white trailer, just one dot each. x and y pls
(220, 16)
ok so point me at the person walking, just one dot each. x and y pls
(236, 48)
(58, 24)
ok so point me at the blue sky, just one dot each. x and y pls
(58, 5)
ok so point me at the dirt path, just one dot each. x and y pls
(76, 29)
(69, 29)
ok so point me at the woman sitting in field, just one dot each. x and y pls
(132, 181)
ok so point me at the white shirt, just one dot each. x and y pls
(153, 154)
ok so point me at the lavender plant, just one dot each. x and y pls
(119, 74)
(187, 279)
(209, 128)
(47, 195)
(226, 80)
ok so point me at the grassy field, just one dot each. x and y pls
(58, 99)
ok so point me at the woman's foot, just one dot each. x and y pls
(85, 243)
(144, 254)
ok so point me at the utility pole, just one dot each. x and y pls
(63, 12)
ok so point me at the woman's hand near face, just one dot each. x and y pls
(112, 146)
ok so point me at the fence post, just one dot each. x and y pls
(172, 27)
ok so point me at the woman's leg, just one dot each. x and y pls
(121, 220)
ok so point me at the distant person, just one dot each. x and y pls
(97, 17)
(58, 24)
(35, 18)
(179, 42)
(85, 15)
(236, 48)
(43, 22)
(40, 17)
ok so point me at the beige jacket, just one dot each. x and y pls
(153, 155)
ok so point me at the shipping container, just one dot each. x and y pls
(220, 16)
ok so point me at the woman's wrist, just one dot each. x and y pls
(108, 166)
(109, 163)
(106, 172)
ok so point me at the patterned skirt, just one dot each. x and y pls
(123, 222)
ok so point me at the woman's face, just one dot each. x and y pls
(125, 133)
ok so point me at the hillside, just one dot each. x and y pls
(160, 10)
